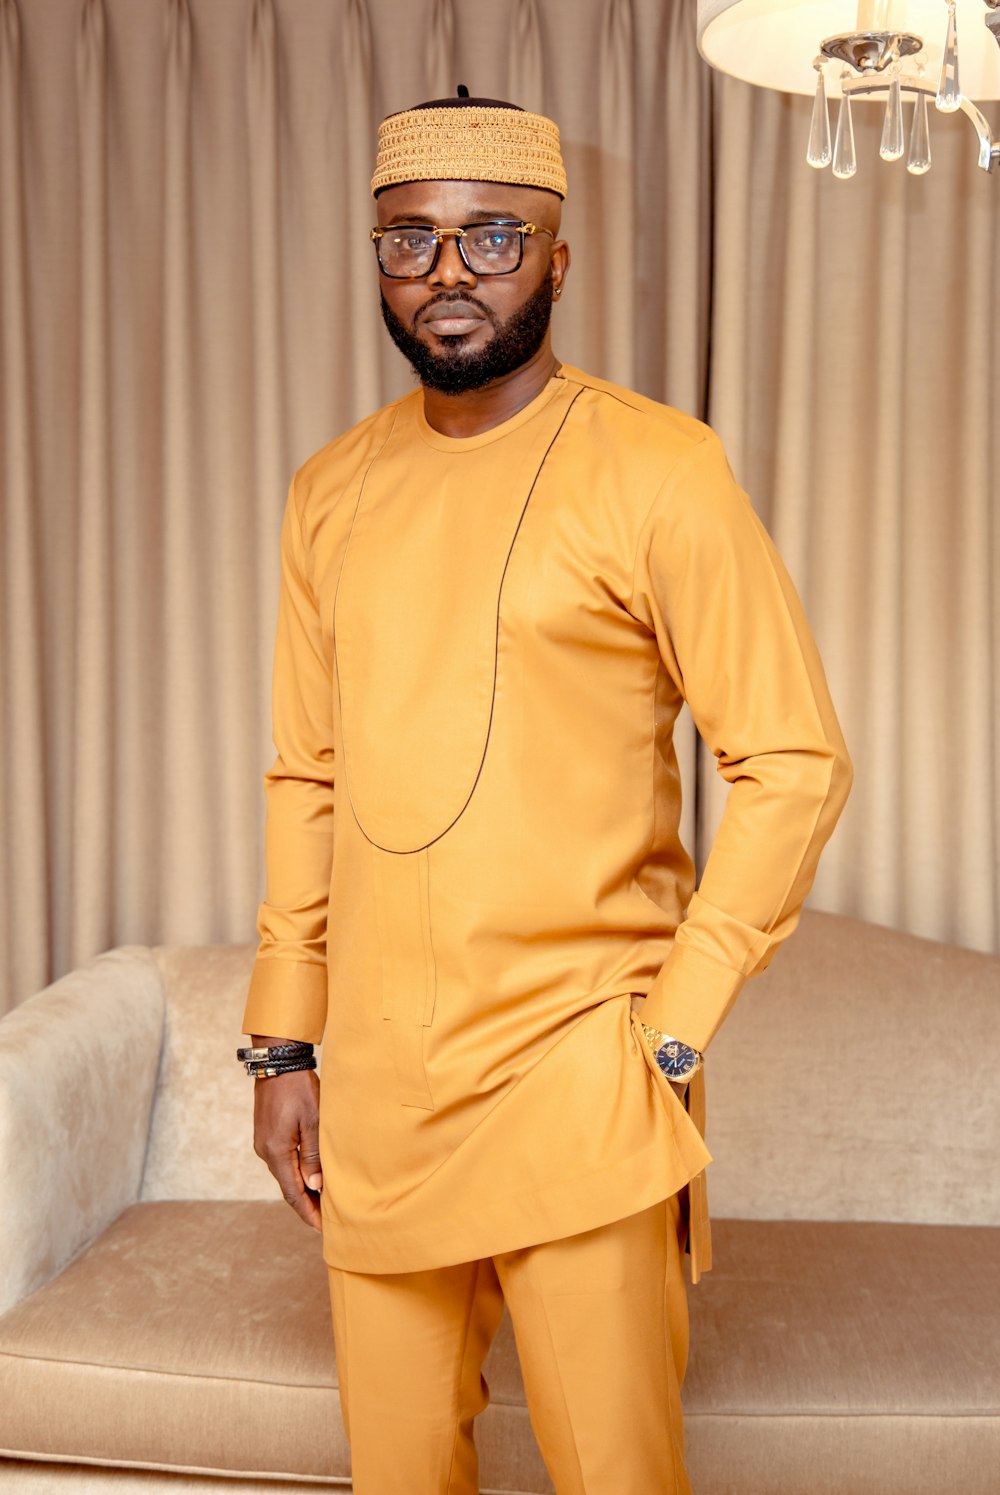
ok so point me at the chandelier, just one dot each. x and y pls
(940, 52)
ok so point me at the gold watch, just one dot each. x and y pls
(677, 1060)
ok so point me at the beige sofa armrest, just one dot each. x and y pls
(78, 1067)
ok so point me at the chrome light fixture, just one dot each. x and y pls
(945, 52)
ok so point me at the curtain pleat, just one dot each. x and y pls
(669, 254)
(189, 309)
(615, 205)
(964, 642)
(673, 252)
(355, 128)
(94, 800)
(439, 57)
(25, 866)
(525, 63)
(266, 311)
(188, 580)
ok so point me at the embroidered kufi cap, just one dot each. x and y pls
(469, 140)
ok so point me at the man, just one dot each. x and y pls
(497, 593)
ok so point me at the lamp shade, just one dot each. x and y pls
(773, 42)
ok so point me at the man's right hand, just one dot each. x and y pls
(286, 1134)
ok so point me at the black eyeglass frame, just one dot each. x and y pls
(525, 230)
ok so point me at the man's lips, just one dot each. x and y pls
(452, 318)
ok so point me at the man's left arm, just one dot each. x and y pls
(733, 636)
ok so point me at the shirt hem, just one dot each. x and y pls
(569, 1208)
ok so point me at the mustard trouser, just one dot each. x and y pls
(601, 1325)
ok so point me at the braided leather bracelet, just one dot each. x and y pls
(293, 1050)
(268, 1071)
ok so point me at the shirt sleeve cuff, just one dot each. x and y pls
(287, 999)
(691, 995)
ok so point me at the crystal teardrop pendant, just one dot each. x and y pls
(819, 153)
(949, 94)
(845, 162)
(919, 159)
(892, 146)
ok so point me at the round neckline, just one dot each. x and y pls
(527, 412)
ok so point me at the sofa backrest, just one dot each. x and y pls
(201, 1134)
(855, 1080)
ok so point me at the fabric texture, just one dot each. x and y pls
(411, 1346)
(473, 858)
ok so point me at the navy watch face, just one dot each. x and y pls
(676, 1060)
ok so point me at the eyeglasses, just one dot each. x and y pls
(409, 251)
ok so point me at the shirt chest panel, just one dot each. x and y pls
(416, 624)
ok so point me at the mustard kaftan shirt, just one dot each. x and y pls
(472, 830)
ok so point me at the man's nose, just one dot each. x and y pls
(451, 269)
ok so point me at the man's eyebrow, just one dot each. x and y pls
(472, 215)
(488, 215)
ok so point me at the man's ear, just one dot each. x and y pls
(559, 262)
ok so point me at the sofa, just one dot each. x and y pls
(164, 1321)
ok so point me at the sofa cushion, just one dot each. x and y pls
(845, 1358)
(196, 1335)
(837, 1357)
(813, 1317)
(191, 1335)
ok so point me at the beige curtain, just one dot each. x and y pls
(188, 309)
(854, 375)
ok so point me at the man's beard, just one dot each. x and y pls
(454, 371)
